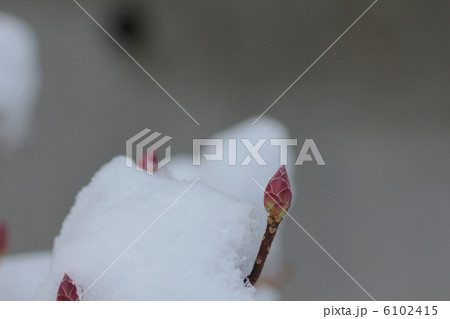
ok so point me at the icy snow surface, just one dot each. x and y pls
(201, 249)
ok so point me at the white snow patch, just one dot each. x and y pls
(201, 249)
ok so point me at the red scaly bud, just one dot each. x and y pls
(67, 290)
(278, 195)
(149, 162)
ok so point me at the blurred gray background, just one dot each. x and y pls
(377, 106)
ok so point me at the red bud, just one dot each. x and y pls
(150, 158)
(67, 290)
(278, 195)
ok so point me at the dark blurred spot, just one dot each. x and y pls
(130, 26)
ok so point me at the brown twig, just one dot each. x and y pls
(264, 249)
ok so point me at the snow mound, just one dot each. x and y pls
(19, 81)
(200, 249)
(222, 176)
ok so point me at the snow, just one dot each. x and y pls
(237, 180)
(200, 249)
(21, 275)
(19, 81)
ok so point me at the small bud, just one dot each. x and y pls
(278, 195)
(150, 158)
(67, 290)
(4, 239)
